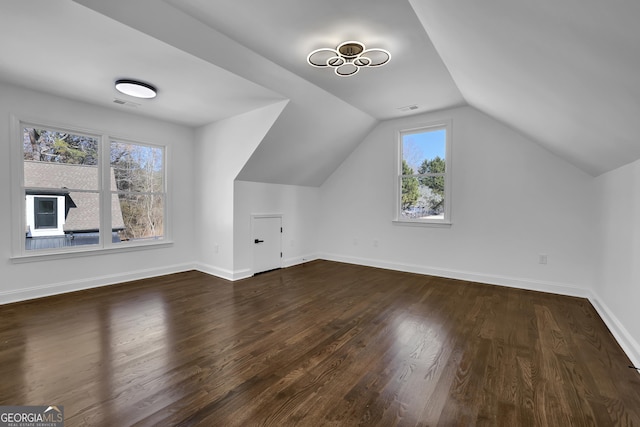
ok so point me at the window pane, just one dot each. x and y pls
(46, 212)
(137, 168)
(422, 198)
(424, 152)
(142, 217)
(54, 159)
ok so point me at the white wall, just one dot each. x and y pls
(221, 150)
(618, 286)
(299, 207)
(22, 280)
(512, 200)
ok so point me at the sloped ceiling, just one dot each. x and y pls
(65, 49)
(566, 74)
(323, 130)
(285, 31)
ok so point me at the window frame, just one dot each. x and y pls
(446, 221)
(18, 193)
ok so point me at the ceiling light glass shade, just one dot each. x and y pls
(136, 88)
(348, 58)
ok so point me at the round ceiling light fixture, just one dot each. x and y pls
(348, 58)
(136, 88)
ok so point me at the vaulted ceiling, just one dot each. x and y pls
(566, 74)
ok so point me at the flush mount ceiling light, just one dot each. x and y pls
(348, 58)
(136, 88)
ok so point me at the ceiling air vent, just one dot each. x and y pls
(127, 103)
(408, 108)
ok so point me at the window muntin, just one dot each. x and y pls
(424, 175)
(74, 168)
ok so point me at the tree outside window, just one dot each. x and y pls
(139, 185)
(424, 174)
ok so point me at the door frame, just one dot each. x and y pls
(259, 216)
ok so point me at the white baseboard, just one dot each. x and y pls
(247, 272)
(24, 294)
(513, 282)
(223, 273)
(629, 345)
(290, 262)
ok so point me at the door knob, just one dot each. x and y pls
(256, 241)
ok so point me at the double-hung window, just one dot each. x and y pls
(45, 212)
(78, 191)
(424, 174)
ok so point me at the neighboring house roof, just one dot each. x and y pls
(59, 176)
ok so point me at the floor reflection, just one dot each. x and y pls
(113, 345)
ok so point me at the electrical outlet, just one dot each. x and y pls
(542, 259)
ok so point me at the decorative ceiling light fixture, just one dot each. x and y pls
(136, 88)
(348, 58)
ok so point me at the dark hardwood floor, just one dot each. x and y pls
(317, 344)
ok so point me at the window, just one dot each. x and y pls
(138, 187)
(45, 212)
(424, 171)
(85, 192)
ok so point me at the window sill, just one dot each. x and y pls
(439, 224)
(42, 256)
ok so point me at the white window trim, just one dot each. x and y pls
(18, 208)
(430, 222)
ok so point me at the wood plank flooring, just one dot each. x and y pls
(318, 344)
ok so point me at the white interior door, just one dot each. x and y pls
(267, 242)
